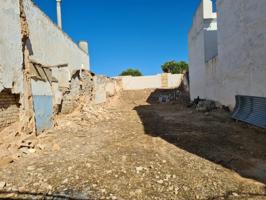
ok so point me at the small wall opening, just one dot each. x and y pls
(9, 108)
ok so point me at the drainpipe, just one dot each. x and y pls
(58, 10)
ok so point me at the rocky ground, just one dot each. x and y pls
(136, 148)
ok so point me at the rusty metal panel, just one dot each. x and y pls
(251, 110)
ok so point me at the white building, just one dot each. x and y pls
(227, 50)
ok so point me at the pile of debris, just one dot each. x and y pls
(204, 105)
(15, 144)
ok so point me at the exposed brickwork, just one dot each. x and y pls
(9, 108)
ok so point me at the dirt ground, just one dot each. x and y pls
(136, 148)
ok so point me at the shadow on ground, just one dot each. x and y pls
(212, 136)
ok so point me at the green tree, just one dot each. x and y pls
(131, 72)
(175, 67)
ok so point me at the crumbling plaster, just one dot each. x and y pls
(150, 82)
(11, 57)
(50, 45)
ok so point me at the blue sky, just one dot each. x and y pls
(140, 34)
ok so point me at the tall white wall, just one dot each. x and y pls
(50, 45)
(239, 67)
(202, 47)
(10, 46)
(242, 48)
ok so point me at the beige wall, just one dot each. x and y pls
(150, 82)
(105, 87)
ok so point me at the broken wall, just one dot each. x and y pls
(81, 91)
(28, 35)
(51, 46)
(105, 87)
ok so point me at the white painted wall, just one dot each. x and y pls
(50, 45)
(149, 82)
(240, 66)
(202, 46)
(174, 80)
(10, 47)
(141, 82)
(242, 48)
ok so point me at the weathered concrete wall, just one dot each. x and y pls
(242, 48)
(51, 46)
(141, 82)
(212, 87)
(23, 24)
(105, 87)
(174, 80)
(202, 47)
(239, 66)
(10, 46)
(100, 89)
(81, 89)
(150, 82)
(9, 108)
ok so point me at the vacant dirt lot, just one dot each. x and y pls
(134, 148)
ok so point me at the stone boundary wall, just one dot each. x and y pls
(164, 80)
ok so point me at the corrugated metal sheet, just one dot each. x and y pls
(251, 110)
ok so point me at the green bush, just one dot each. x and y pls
(175, 67)
(131, 72)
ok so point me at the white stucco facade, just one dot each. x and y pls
(202, 47)
(242, 48)
(239, 67)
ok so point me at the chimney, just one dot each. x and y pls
(84, 46)
(58, 10)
